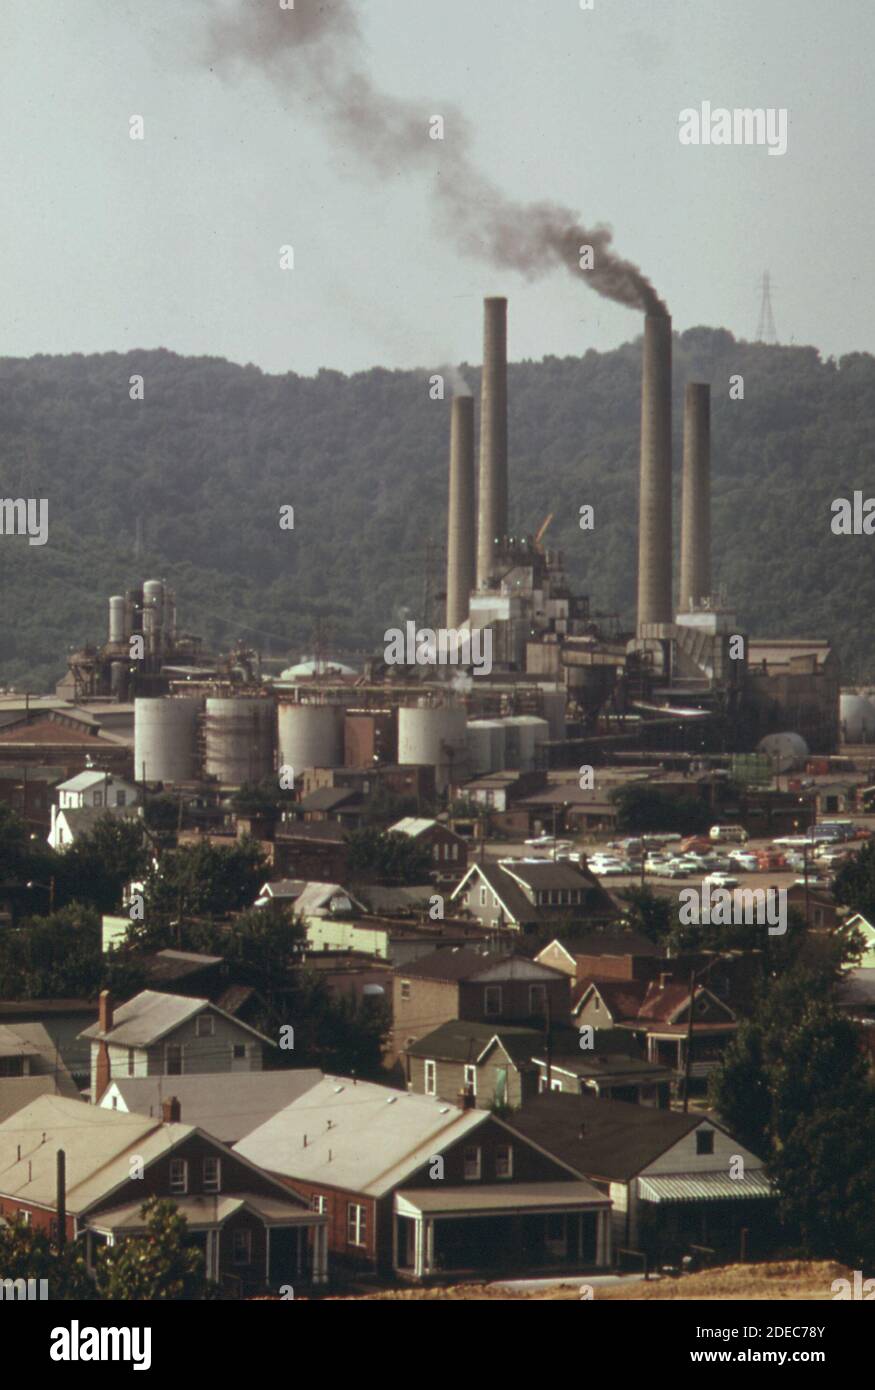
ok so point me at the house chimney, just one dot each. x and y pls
(461, 541)
(492, 515)
(102, 1073)
(171, 1111)
(695, 582)
(466, 1098)
(654, 506)
(104, 1011)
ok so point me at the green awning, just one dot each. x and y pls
(704, 1187)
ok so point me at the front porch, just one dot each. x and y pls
(518, 1228)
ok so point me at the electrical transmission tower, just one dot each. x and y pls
(766, 326)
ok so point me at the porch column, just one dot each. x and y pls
(267, 1256)
(429, 1246)
(603, 1238)
(418, 1259)
(320, 1255)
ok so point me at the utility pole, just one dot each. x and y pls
(688, 1059)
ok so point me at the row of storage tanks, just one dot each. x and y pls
(246, 738)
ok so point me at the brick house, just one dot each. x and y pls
(478, 986)
(157, 1034)
(255, 1234)
(608, 955)
(414, 1186)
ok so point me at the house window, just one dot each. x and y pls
(492, 1001)
(436, 852)
(455, 850)
(472, 1164)
(242, 1248)
(25, 1216)
(430, 1078)
(596, 1003)
(238, 1052)
(121, 798)
(212, 1175)
(704, 1141)
(205, 1026)
(356, 1224)
(482, 897)
(504, 1161)
(405, 989)
(173, 1059)
(471, 1080)
(178, 1175)
(98, 798)
(318, 1204)
(555, 1085)
(537, 999)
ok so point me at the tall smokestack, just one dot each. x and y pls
(461, 545)
(696, 498)
(492, 519)
(654, 514)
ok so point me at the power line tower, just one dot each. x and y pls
(766, 326)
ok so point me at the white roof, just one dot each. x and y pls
(226, 1105)
(83, 780)
(150, 1016)
(359, 1136)
(412, 825)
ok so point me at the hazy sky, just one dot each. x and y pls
(108, 243)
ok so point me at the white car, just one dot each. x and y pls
(721, 881)
(541, 841)
(745, 860)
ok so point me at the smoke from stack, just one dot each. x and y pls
(695, 581)
(654, 518)
(460, 530)
(492, 518)
(314, 54)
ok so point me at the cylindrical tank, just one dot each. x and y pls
(165, 739)
(433, 735)
(856, 718)
(239, 740)
(486, 742)
(117, 618)
(310, 735)
(788, 752)
(523, 734)
(153, 614)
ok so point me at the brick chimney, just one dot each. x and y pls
(171, 1110)
(104, 1016)
(102, 1077)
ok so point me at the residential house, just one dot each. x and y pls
(447, 850)
(415, 1186)
(657, 1013)
(29, 1067)
(95, 789)
(68, 825)
(477, 986)
(528, 895)
(611, 954)
(157, 1034)
(254, 1232)
(486, 1063)
(54, 1026)
(224, 1106)
(674, 1180)
(605, 1064)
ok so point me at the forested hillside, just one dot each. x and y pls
(213, 451)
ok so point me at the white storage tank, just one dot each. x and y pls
(524, 734)
(310, 735)
(117, 618)
(434, 735)
(485, 746)
(239, 740)
(165, 738)
(788, 752)
(856, 718)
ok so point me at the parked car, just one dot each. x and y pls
(610, 868)
(728, 834)
(676, 868)
(717, 880)
(815, 881)
(745, 860)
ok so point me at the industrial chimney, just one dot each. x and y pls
(654, 514)
(461, 545)
(492, 519)
(696, 498)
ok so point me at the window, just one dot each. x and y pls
(98, 798)
(319, 1204)
(205, 1026)
(238, 1052)
(242, 1248)
(471, 1080)
(430, 1078)
(555, 1085)
(596, 1002)
(482, 897)
(436, 852)
(455, 850)
(178, 1175)
(212, 1175)
(492, 1000)
(405, 989)
(704, 1141)
(25, 1216)
(504, 1161)
(121, 798)
(537, 999)
(472, 1164)
(173, 1059)
(356, 1224)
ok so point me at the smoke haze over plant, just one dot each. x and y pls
(314, 54)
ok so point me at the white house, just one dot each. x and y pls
(96, 789)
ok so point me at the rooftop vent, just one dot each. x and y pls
(391, 1100)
